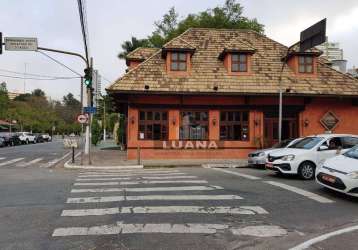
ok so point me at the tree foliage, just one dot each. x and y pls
(228, 16)
(33, 112)
(96, 132)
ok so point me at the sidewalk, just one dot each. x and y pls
(108, 155)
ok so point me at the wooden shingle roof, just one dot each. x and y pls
(141, 53)
(208, 71)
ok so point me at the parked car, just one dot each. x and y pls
(2, 142)
(10, 139)
(26, 137)
(258, 157)
(38, 138)
(340, 173)
(46, 137)
(306, 155)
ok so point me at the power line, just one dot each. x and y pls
(83, 27)
(60, 63)
(36, 75)
(41, 79)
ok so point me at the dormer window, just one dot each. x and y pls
(239, 62)
(178, 61)
(305, 64)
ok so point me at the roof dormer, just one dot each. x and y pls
(303, 63)
(177, 54)
(237, 58)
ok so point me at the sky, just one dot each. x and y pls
(55, 23)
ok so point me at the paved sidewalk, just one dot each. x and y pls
(109, 155)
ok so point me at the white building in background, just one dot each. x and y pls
(97, 86)
(333, 53)
(353, 72)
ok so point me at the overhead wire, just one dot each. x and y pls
(60, 63)
(40, 79)
(36, 75)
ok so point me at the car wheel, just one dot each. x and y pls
(27, 141)
(307, 170)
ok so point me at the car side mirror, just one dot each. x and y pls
(322, 148)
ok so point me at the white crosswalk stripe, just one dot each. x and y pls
(123, 200)
(26, 164)
(152, 197)
(248, 210)
(10, 162)
(2, 158)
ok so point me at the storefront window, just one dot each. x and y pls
(234, 125)
(153, 125)
(194, 125)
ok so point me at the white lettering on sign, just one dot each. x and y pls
(190, 145)
(21, 43)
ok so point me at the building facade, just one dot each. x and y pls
(212, 93)
(333, 53)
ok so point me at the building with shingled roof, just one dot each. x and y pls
(213, 94)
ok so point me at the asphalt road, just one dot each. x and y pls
(179, 208)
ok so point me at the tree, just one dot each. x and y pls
(129, 46)
(4, 101)
(228, 16)
(96, 132)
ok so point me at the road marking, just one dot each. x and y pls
(245, 210)
(324, 237)
(2, 158)
(55, 161)
(260, 231)
(151, 197)
(251, 177)
(10, 162)
(121, 228)
(168, 177)
(150, 189)
(127, 175)
(161, 182)
(305, 193)
(31, 162)
(103, 179)
(97, 183)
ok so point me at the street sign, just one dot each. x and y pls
(21, 43)
(313, 36)
(82, 118)
(70, 143)
(90, 110)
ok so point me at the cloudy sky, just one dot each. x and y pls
(56, 25)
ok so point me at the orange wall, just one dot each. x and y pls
(314, 111)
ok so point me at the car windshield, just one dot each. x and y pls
(281, 144)
(352, 153)
(307, 143)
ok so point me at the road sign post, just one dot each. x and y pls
(82, 118)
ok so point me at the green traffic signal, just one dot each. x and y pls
(88, 77)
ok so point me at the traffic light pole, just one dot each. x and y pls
(88, 127)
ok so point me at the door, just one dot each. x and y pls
(289, 130)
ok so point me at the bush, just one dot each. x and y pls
(96, 132)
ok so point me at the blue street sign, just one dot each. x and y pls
(90, 110)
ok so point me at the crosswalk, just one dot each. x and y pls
(181, 203)
(24, 162)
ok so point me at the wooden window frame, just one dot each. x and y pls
(231, 123)
(200, 122)
(239, 63)
(146, 122)
(305, 64)
(178, 61)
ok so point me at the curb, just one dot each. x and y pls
(67, 165)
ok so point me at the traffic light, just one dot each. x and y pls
(88, 77)
(0, 43)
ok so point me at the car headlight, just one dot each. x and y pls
(288, 157)
(262, 154)
(353, 175)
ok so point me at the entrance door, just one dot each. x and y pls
(289, 130)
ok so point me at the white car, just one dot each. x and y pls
(46, 137)
(26, 137)
(340, 173)
(258, 157)
(308, 154)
